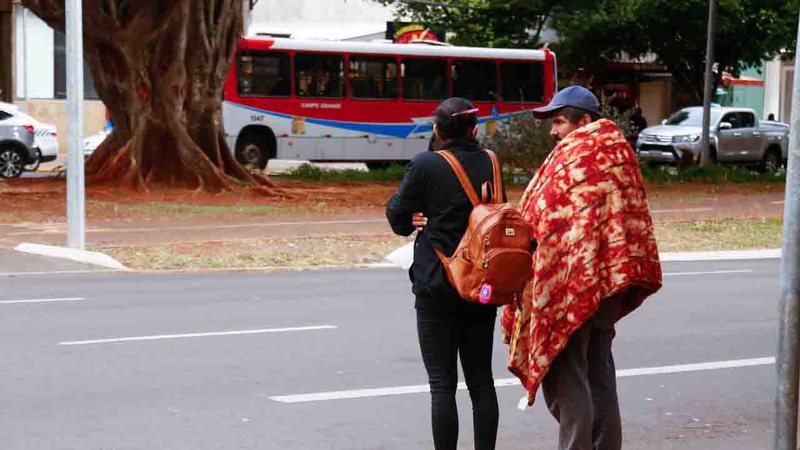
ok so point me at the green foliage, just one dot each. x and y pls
(522, 143)
(748, 32)
(308, 172)
(592, 33)
(715, 174)
(487, 23)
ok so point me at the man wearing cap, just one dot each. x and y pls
(596, 262)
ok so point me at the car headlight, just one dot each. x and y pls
(689, 138)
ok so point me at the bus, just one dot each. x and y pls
(339, 101)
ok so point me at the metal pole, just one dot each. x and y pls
(25, 57)
(712, 28)
(76, 211)
(789, 335)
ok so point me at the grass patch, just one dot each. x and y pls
(654, 174)
(359, 249)
(709, 174)
(257, 253)
(167, 209)
(719, 235)
(307, 172)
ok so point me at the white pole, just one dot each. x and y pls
(76, 210)
(25, 57)
(788, 361)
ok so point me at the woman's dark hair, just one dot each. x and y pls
(456, 118)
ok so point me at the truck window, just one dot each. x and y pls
(733, 119)
(747, 120)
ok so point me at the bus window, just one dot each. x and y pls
(475, 80)
(424, 79)
(373, 78)
(522, 82)
(264, 75)
(318, 75)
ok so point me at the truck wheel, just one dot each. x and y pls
(771, 162)
(12, 163)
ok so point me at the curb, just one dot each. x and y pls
(81, 256)
(723, 255)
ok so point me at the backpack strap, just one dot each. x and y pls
(498, 177)
(458, 169)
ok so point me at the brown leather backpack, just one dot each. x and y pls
(495, 250)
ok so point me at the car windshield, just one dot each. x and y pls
(691, 118)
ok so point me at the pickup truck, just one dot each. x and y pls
(736, 137)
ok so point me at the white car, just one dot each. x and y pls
(91, 143)
(45, 141)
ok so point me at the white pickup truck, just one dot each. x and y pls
(736, 137)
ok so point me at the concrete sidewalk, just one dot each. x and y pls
(16, 263)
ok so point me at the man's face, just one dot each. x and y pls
(561, 127)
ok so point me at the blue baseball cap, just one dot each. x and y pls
(574, 96)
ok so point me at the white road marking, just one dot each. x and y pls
(710, 272)
(42, 300)
(56, 272)
(423, 388)
(687, 210)
(196, 335)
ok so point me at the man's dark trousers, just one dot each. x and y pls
(581, 389)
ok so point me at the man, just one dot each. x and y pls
(597, 261)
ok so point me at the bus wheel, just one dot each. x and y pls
(253, 150)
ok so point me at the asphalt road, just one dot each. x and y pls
(195, 361)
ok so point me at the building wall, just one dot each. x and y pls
(654, 100)
(35, 83)
(320, 19)
(785, 94)
(745, 96)
(34, 57)
(55, 112)
(778, 84)
(772, 88)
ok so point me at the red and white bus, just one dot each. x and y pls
(370, 102)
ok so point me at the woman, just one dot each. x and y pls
(432, 201)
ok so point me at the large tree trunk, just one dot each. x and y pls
(160, 67)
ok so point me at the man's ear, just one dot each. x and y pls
(436, 132)
(474, 132)
(585, 120)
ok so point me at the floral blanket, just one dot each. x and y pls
(589, 214)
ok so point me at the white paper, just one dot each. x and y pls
(403, 256)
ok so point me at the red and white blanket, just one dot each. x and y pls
(589, 214)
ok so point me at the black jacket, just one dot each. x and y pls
(430, 186)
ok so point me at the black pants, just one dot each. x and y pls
(467, 331)
(581, 387)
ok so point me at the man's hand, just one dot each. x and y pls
(419, 221)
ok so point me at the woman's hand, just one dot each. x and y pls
(419, 220)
